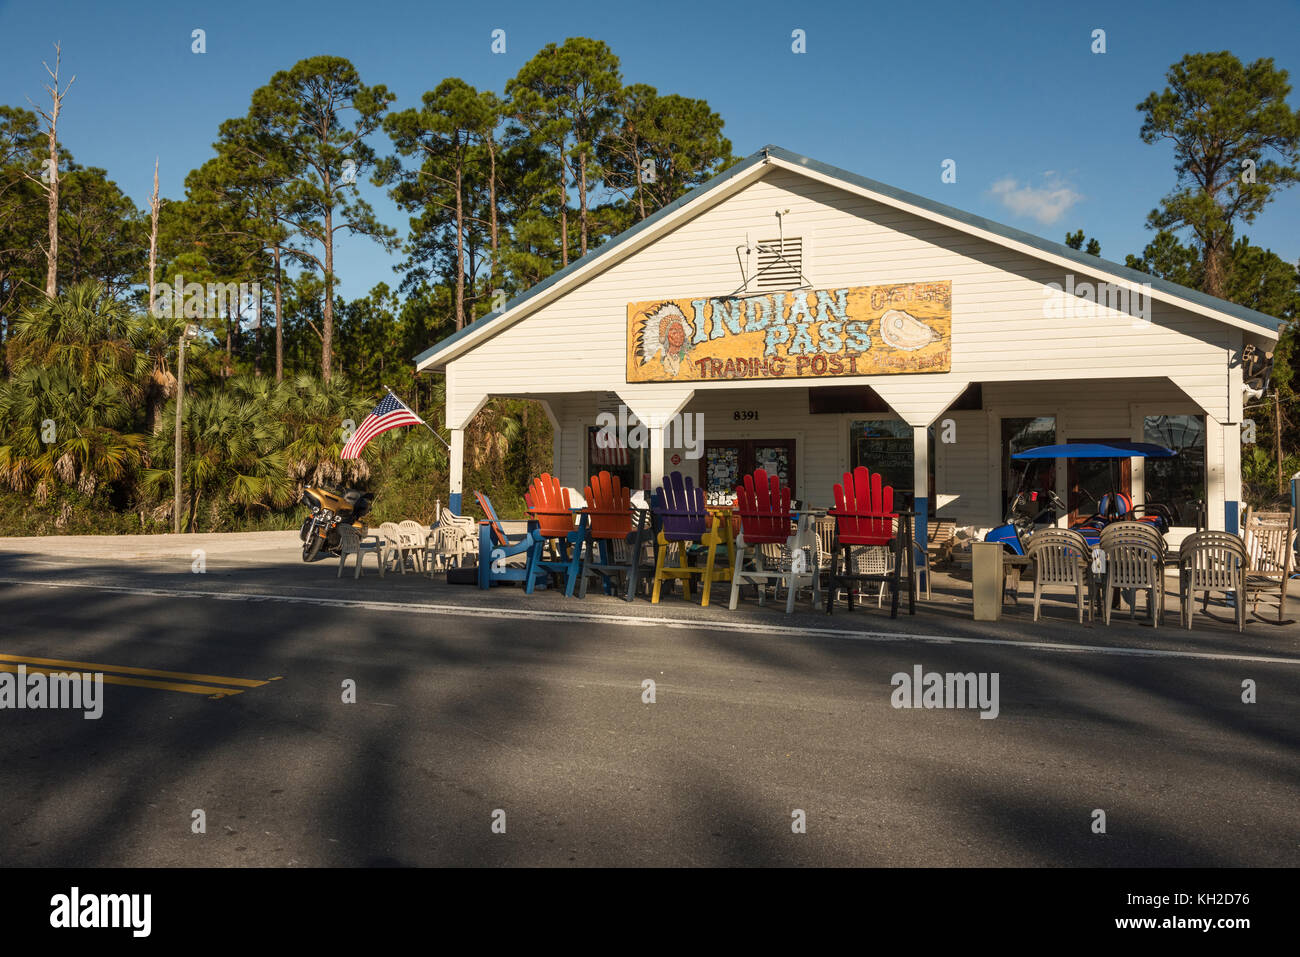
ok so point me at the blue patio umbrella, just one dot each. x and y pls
(1099, 450)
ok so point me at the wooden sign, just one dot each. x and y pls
(828, 333)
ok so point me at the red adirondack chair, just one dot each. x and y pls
(763, 505)
(865, 517)
(612, 529)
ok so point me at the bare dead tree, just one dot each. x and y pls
(50, 180)
(154, 205)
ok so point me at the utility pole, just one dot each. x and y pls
(190, 332)
(1277, 438)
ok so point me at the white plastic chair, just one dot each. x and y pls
(414, 539)
(793, 565)
(350, 543)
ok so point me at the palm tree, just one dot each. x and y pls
(233, 453)
(313, 414)
(53, 428)
(156, 337)
(66, 413)
(85, 330)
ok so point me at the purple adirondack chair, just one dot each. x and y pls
(680, 508)
(683, 519)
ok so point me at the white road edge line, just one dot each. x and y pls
(749, 628)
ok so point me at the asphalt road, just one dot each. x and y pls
(469, 704)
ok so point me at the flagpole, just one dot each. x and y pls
(422, 422)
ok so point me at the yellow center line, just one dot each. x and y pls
(123, 669)
(210, 690)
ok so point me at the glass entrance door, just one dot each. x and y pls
(727, 461)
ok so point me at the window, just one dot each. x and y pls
(1178, 482)
(1017, 436)
(620, 461)
(884, 446)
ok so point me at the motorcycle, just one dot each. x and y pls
(320, 530)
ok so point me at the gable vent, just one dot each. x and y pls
(780, 263)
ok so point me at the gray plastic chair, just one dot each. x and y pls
(1061, 557)
(1209, 562)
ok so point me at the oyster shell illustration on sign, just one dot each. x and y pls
(904, 331)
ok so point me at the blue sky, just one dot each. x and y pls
(1044, 132)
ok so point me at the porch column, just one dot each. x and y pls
(1231, 476)
(655, 406)
(457, 476)
(460, 411)
(921, 487)
(656, 452)
(554, 407)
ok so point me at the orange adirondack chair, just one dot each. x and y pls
(865, 517)
(548, 507)
(612, 528)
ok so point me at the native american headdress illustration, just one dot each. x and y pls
(665, 331)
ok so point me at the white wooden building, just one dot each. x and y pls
(1013, 361)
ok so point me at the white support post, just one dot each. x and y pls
(1231, 477)
(657, 453)
(457, 476)
(921, 489)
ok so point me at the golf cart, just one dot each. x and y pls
(1031, 510)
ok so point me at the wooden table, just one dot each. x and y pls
(1013, 566)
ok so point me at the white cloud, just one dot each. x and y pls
(1046, 203)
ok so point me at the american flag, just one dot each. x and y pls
(391, 413)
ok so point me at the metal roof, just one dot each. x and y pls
(1089, 262)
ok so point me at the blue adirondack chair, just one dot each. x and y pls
(551, 522)
(495, 546)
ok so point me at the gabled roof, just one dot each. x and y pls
(756, 165)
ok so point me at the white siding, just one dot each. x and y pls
(1029, 363)
(1000, 331)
